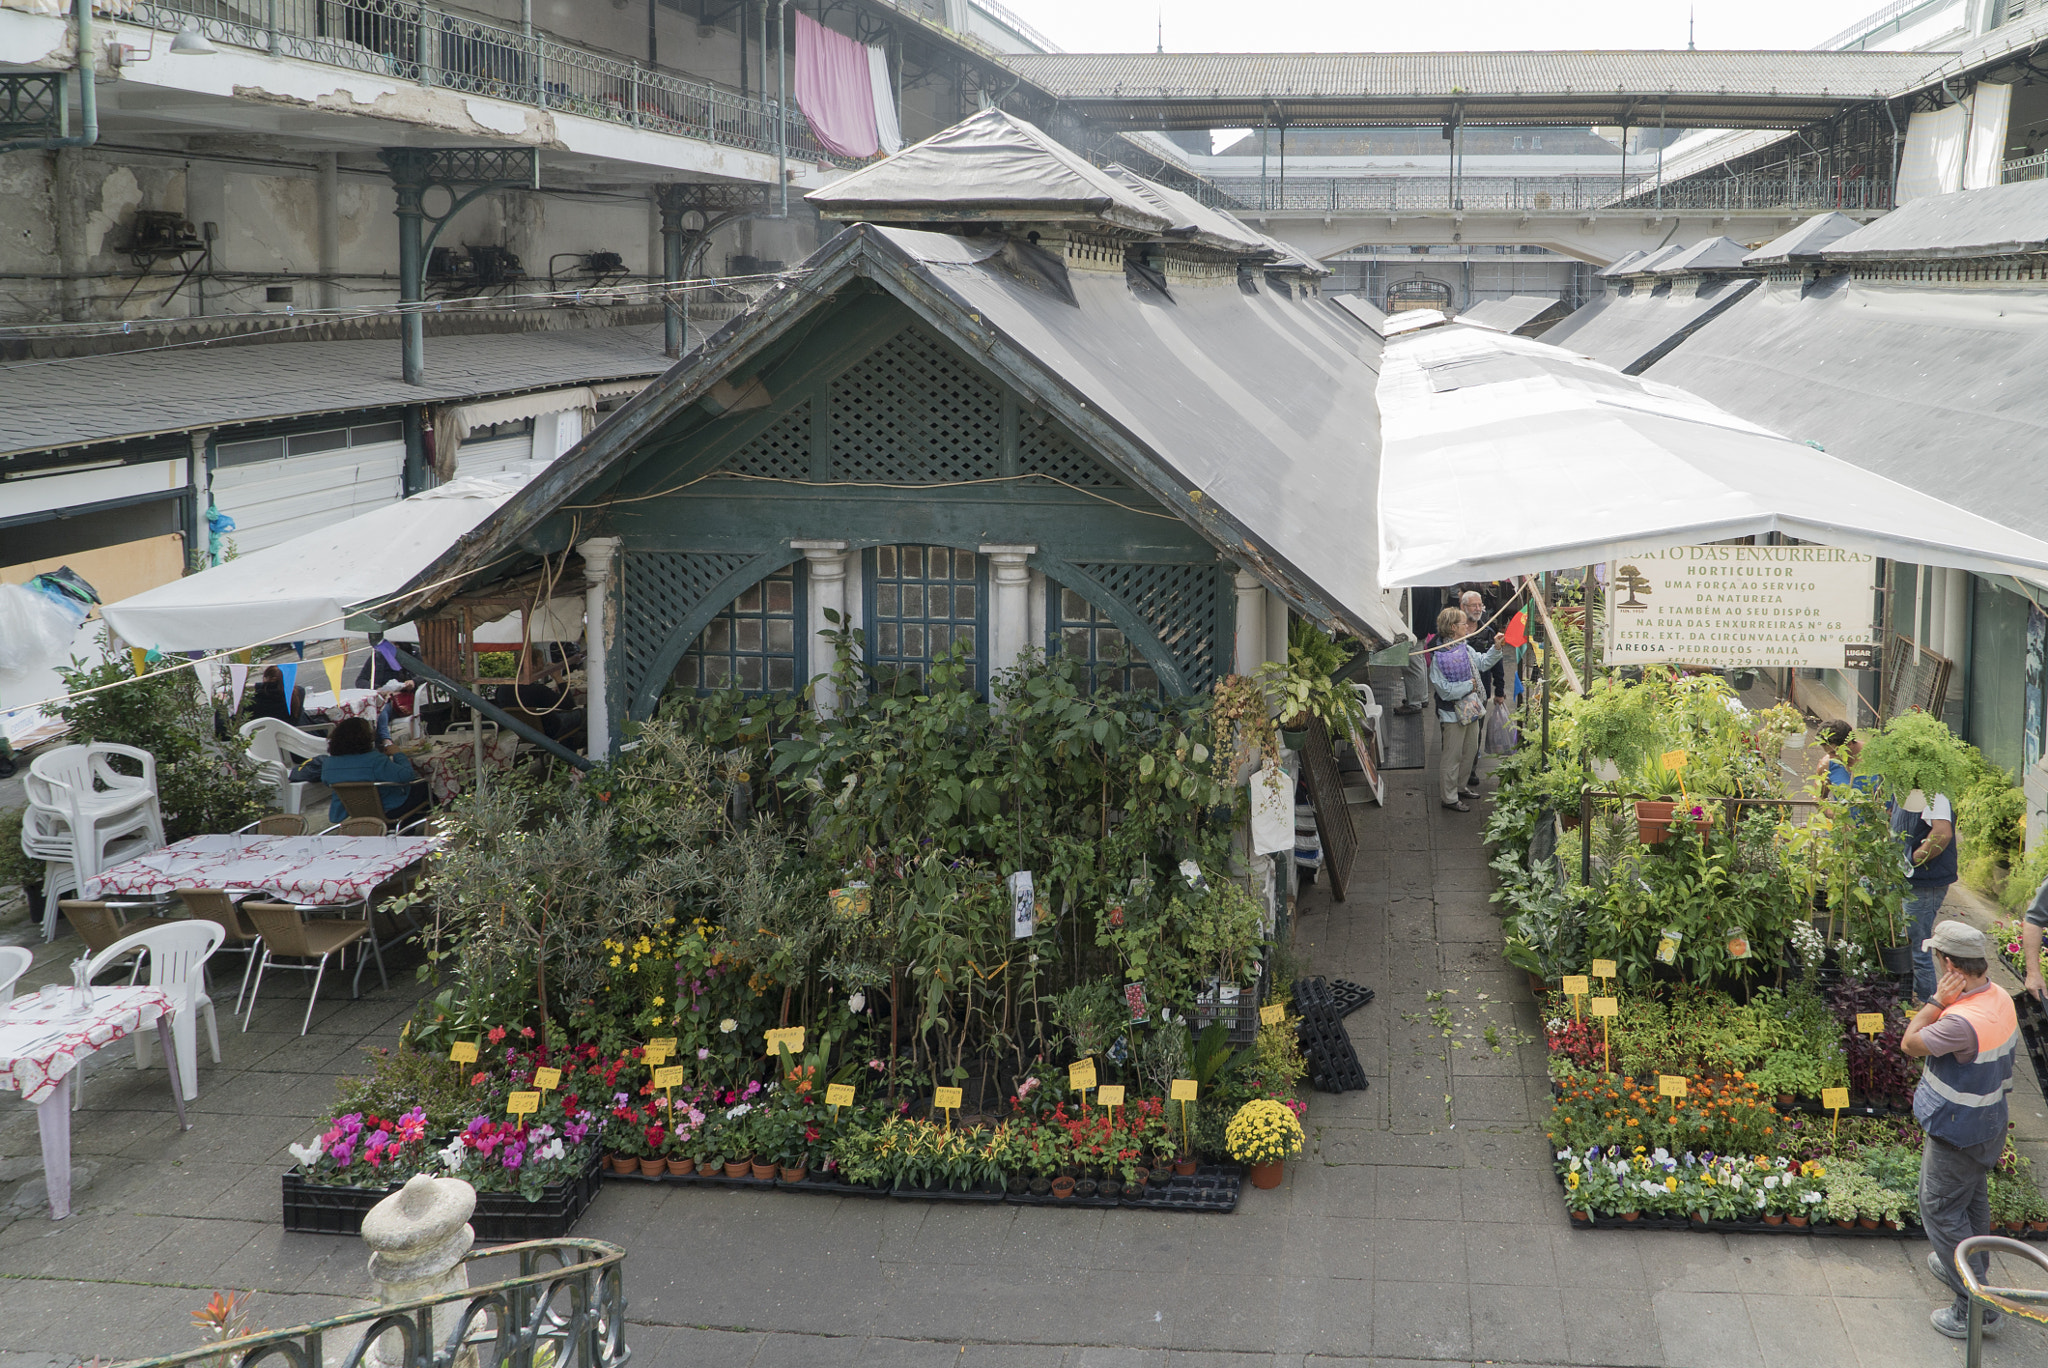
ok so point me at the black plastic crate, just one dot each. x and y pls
(2033, 1033)
(978, 1194)
(1211, 1187)
(1348, 997)
(322, 1209)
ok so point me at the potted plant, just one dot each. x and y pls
(1263, 1135)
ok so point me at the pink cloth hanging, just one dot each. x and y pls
(835, 89)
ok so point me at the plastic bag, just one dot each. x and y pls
(1501, 736)
(35, 633)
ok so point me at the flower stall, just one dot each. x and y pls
(935, 946)
(1724, 979)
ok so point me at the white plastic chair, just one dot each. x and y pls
(178, 952)
(14, 962)
(65, 790)
(52, 837)
(279, 748)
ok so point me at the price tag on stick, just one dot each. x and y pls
(1110, 1095)
(1081, 1078)
(547, 1079)
(463, 1052)
(838, 1095)
(669, 1076)
(1834, 1099)
(1670, 1085)
(786, 1037)
(522, 1103)
(1870, 1023)
(1182, 1090)
(657, 1052)
(1272, 1014)
(947, 1100)
(1577, 986)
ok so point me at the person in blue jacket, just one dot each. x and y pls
(353, 757)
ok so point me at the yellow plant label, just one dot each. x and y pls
(654, 1057)
(670, 1077)
(1870, 1023)
(665, 1044)
(1603, 968)
(1673, 760)
(1181, 1090)
(839, 1094)
(790, 1037)
(1272, 1014)
(1670, 1085)
(1081, 1074)
(1577, 985)
(523, 1103)
(463, 1052)
(1834, 1099)
(1110, 1095)
(1606, 1007)
(544, 1079)
(946, 1099)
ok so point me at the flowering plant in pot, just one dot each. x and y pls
(1263, 1135)
(366, 1150)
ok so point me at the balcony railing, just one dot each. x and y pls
(1548, 194)
(565, 1308)
(408, 40)
(2027, 168)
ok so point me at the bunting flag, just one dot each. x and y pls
(333, 665)
(300, 648)
(238, 680)
(1516, 633)
(290, 671)
(247, 657)
(390, 654)
(140, 656)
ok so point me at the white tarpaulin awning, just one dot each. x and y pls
(305, 588)
(1503, 455)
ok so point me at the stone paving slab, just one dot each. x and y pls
(1414, 1232)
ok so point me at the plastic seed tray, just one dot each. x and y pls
(1348, 997)
(321, 1209)
(1212, 1187)
(979, 1194)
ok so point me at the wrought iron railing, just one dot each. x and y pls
(566, 1308)
(1549, 194)
(410, 40)
(2027, 168)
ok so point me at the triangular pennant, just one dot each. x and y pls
(238, 680)
(300, 648)
(140, 656)
(390, 654)
(334, 664)
(290, 671)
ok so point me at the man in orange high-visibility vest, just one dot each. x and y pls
(1968, 1035)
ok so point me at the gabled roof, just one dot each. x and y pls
(1631, 331)
(992, 166)
(1649, 261)
(2002, 221)
(1511, 314)
(1714, 254)
(1194, 222)
(1621, 266)
(1245, 412)
(1806, 242)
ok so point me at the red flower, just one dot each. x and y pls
(479, 1077)
(495, 1034)
(811, 1134)
(655, 1135)
(526, 1031)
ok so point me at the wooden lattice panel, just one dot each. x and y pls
(661, 588)
(1179, 603)
(1043, 449)
(908, 413)
(782, 452)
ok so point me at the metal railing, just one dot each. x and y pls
(566, 1308)
(1550, 194)
(2030, 1303)
(2027, 168)
(409, 40)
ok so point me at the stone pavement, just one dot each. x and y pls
(1423, 1226)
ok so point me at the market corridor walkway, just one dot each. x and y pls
(1423, 1226)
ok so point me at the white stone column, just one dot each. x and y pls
(1250, 648)
(1009, 609)
(597, 555)
(417, 1237)
(825, 588)
(1276, 627)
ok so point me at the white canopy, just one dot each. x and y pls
(305, 588)
(1504, 455)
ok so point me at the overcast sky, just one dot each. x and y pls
(1362, 26)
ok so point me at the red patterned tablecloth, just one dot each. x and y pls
(41, 1043)
(302, 869)
(449, 767)
(351, 703)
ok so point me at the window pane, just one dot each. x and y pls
(750, 672)
(686, 671)
(885, 639)
(781, 673)
(747, 635)
(1074, 642)
(913, 562)
(717, 671)
(1143, 678)
(913, 641)
(963, 602)
(938, 605)
(781, 596)
(1073, 608)
(781, 636)
(940, 636)
(963, 566)
(886, 601)
(964, 635)
(718, 634)
(885, 561)
(913, 600)
(749, 600)
(1108, 643)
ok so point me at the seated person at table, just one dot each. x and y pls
(534, 694)
(267, 699)
(353, 758)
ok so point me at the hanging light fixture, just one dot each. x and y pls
(191, 42)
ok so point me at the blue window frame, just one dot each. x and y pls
(1077, 628)
(757, 644)
(920, 601)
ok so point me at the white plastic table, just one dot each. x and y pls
(41, 1045)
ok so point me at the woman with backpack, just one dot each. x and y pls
(1455, 675)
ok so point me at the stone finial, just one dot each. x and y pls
(417, 1237)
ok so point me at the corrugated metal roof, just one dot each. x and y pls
(1970, 223)
(1805, 242)
(90, 399)
(1193, 221)
(1712, 89)
(1630, 331)
(1936, 388)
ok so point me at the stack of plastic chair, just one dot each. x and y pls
(84, 815)
(278, 748)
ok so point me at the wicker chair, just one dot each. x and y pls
(288, 935)
(282, 824)
(358, 826)
(217, 906)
